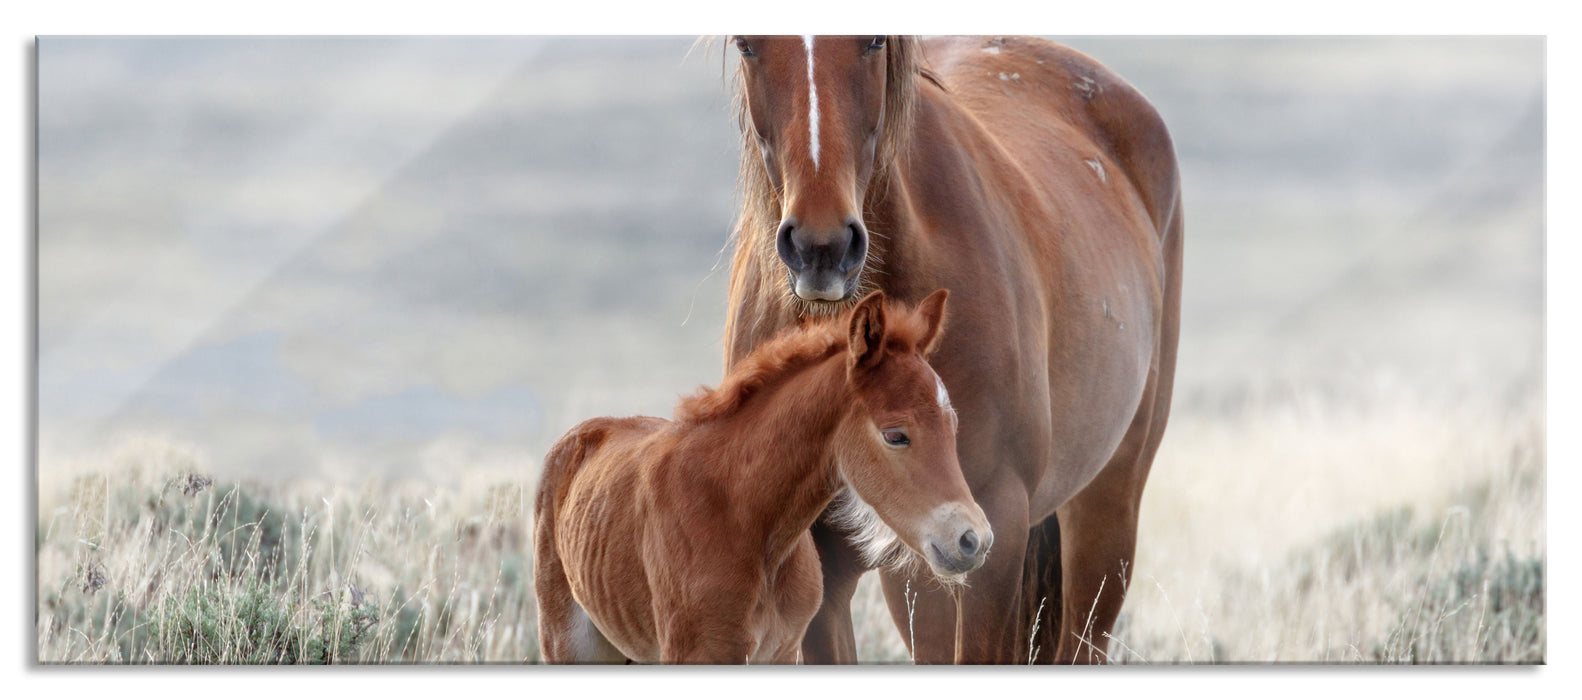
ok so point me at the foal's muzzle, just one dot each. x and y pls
(966, 552)
(824, 264)
(958, 539)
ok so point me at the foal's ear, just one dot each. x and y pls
(867, 331)
(933, 311)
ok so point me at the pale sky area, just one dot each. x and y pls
(421, 256)
(288, 252)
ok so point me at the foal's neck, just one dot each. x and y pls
(787, 475)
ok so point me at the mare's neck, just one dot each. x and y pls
(907, 251)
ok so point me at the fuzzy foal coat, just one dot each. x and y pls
(687, 541)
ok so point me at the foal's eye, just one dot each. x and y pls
(895, 437)
(741, 45)
(876, 44)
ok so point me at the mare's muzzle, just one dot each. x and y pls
(824, 264)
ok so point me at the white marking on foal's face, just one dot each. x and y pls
(812, 102)
(1098, 169)
(943, 398)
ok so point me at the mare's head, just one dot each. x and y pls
(821, 118)
(897, 449)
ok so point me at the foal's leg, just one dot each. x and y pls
(991, 602)
(566, 635)
(707, 652)
(830, 638)
(693, 633)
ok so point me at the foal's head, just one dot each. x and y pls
(823, 114)
(897, 450)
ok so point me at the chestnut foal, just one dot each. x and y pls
(687, 541)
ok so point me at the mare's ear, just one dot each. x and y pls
(867, 331)
(933, 312)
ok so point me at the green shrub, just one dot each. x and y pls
(250, 625)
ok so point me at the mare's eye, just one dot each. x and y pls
(895, 437)
(741, 45)
(876, 44)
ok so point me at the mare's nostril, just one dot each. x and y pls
(856, 250)
(787, 247)
(969, 543)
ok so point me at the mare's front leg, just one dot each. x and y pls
(991, 602)
(829, 638)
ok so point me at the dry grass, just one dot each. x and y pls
(146, 563)
(1313, 531)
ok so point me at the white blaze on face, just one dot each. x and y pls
(812, 102)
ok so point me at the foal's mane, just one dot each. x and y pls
(794, 351)
(759, 203)
(777, 359)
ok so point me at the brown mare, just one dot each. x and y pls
(688, 541)
(1042, 190)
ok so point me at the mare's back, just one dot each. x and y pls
(1049, 106)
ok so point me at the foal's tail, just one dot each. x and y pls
(556, 607)
(560, 465)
